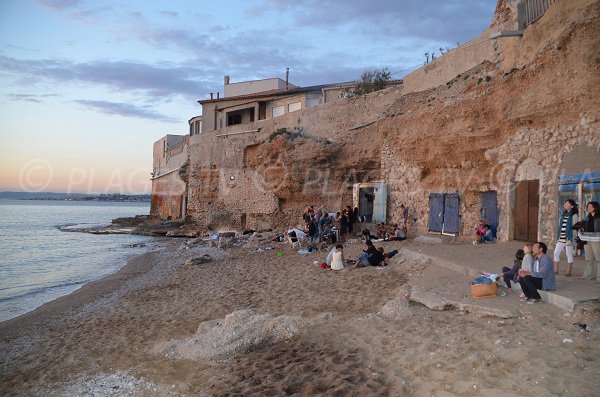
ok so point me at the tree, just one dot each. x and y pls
(370, 81)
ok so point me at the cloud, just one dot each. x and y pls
(169, 14)
(447, 21)
(77, 9)
(157, 82)
(61, 5)
(125, 110)
(35, 98)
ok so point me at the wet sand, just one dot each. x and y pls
(357, 335)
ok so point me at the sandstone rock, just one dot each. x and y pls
(430, 299)
(240, 332)
(198, 260)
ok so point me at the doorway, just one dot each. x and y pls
(371, 200)
(527, 203)
(444, 213)
(366, 196)
(489, 209)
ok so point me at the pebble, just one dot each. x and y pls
(567, 340)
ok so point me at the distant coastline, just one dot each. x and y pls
(52, 196)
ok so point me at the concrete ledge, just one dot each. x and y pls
(438, 302)
(414, 254)
(471, 261)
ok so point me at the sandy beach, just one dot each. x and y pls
(263, 323)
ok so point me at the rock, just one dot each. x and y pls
(198, 260)
(430, 299)
(395, 308)
(240, 332)
(435, 301)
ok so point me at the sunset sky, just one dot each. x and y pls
(88, 86)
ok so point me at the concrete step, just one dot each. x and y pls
(471, 261)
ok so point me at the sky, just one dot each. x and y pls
(86, 87)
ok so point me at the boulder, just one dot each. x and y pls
(238, 333)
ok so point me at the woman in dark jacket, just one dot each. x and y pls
(592, 249)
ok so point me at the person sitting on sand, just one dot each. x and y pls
(366, 235)
(387, 256)
(542, 275)
(380, 231)
(363, 259)
(398, 233)
(335, 258)
(378, 258)
(512, 274)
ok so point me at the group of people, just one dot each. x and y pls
(534, 270)
(483, 232)
(321, 226)
(567, 238)
(371, 256)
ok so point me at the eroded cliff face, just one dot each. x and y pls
(446, 138)
(476, 133)
(300, 169)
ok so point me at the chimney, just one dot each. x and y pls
(287, 77)
(217, 94)
(211, 95)
(226, 80)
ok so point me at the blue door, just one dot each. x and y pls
(380, 203)
(444, 213)
(489, 209)
(451, 213)
(436, 212)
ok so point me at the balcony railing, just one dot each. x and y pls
(535, 9)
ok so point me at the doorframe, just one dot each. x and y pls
(367, 185)
(528, 170)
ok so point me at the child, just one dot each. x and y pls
(479, 232)
(509, 274)
(527, 263)
(336, 257)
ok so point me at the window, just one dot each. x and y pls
(234, 118)
(292, 107)
(278, 111)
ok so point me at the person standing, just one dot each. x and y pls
(405, 218)
(565, 236)
(592, 251)
(344, 224)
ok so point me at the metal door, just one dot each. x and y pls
(489, 209)
(451, 213)
(380, 203)
(436, 212)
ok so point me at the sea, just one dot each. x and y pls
(40, 260)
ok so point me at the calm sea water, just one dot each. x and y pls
(39, 262)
